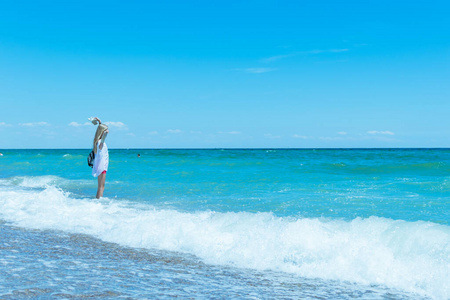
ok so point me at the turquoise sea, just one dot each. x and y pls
(226, 224)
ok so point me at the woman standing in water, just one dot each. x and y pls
(101, 159)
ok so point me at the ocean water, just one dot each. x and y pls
(227, 224)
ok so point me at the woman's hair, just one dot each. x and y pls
(98, 135)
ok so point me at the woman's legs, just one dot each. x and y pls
(101, 185)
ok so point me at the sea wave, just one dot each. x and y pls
(33, 181)
(411, 256)
(431, 168)
(41, 182)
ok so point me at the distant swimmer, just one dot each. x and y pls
(139, 155)
(101, 160)
(1, 154)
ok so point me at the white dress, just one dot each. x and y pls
(101, 160)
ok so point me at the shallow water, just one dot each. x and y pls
(272, 223)
(49, 264)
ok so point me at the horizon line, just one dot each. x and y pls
(242, 148)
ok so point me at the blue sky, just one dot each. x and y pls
(196, 74)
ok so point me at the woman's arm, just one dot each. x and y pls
(104, 134)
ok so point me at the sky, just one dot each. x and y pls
(225, 74)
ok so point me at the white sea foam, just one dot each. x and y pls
(412, 256)
(31, 181)
(41, 182)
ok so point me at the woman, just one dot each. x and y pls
(101, 159)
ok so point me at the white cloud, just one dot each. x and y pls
(119, 125)
(230, 132)
(76, 124)
(342, 133)
(297, 136)
(387, 132)
(277, 57)
(34, 124)
(309, 52)
(326, 51)
(153, 133)
(328, 138)
(3, 124)
(271, 136)
(256, 70)
(174, 131)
